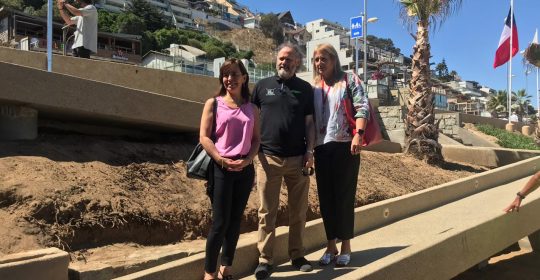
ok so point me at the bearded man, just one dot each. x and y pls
(286, 154)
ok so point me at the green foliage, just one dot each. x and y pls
(106, 21)
(271, 27)
(214, 52)
(166, 37)
(148, 42)
(441, 71)
(385, 44)
(507, 139)
(129, 23)
(229, 49)
(36, 4)
(153, 17)
(498, 102)
(520, 103)
(14, 4)
(183, 39)
(243, 54)
(196, 44)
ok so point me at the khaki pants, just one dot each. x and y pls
(270, 174)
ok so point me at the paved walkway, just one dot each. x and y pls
(376, 249)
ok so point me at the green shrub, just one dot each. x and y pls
(508, 139)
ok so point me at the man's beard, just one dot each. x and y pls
(285, 74)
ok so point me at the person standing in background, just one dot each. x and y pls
(86, 21)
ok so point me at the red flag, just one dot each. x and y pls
(503, 51)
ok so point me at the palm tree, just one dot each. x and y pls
(497, 103)
(421, 130)
(520, 103)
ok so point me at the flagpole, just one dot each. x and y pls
(535, 40)
(49, 34)
(510, 62)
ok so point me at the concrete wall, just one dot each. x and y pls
(50, 263)
(498, 123)
(488, 157)
(176, 84)
(63, 96)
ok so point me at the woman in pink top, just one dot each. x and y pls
(235, 145)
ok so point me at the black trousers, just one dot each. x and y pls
(336, 171)
(81, 52)
(230, 196)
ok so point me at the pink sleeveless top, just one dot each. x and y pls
(234, 129)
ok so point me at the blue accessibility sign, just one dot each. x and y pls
(356, 27)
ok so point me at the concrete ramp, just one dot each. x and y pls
(437, 244)
(74, 98)
(432, 234)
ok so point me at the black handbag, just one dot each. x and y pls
(199, 164)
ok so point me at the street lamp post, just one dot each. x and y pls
(364, 31)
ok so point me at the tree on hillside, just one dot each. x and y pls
(454, 76)
(129, 23)
(382, 43)
(148, 42)
(13, 4)
(153, 18)
(106, 21)
(421, 131)
(271, 27)
(166, 37)
(36, 4)
(441, 69)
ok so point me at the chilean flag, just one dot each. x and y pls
(503, 51)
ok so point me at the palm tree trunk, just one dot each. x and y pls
(422, 132)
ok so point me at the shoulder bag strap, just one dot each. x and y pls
(214, 108)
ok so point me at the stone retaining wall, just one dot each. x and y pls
(449, 124)
(392, 117)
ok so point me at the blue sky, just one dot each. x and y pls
(467, 40)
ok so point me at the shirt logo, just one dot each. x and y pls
(270, 92)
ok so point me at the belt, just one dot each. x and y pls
(237, 157)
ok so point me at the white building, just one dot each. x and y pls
(253, 22)
(181, 58)
(324, 31)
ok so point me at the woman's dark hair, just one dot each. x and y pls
(226, 69)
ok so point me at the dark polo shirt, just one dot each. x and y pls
(284, 104)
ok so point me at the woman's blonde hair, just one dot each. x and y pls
(332, 53)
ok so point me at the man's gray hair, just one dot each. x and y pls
(294, 47)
